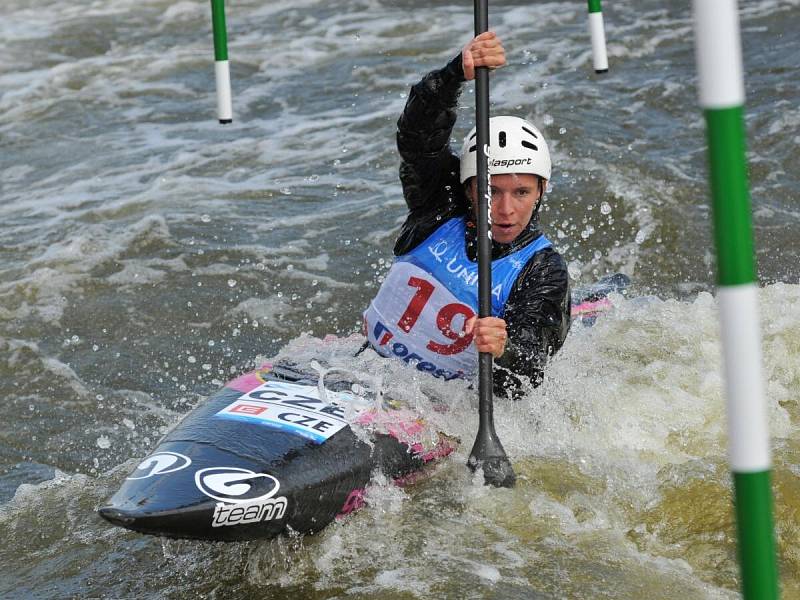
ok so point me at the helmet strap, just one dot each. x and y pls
(535, 215)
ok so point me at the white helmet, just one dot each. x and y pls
(515, 146)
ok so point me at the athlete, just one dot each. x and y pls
(425, 310)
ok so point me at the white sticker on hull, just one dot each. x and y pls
(292, 407)
(254, 512)
(236, 485)
(245, 496)
(159, 464)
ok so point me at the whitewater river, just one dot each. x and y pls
(148, 254)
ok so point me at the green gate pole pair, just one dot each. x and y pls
(721, 87)
(221, 66)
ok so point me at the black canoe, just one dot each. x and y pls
(266, 455)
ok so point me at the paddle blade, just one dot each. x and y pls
(488, 454)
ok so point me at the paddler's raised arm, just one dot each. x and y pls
(424, 128)
(423, 136)
(429, 171)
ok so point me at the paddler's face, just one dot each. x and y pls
(514, 198)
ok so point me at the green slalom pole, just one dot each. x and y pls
(721, 82)
(598, 34)
(221, 66)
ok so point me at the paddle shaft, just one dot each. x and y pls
(487, 451)
(484, 241)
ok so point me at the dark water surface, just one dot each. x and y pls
(148, 254)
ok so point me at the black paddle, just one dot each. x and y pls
(487, 452)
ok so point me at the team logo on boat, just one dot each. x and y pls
(159, 464)
(232, 484)
(244, 496)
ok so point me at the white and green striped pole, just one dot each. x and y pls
(719, 66)
(598, 34)
(221, 66)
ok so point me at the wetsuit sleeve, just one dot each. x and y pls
(429, 171)
(537, 317)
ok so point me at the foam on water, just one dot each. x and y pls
(593, 491)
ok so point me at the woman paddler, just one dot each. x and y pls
(425, 311)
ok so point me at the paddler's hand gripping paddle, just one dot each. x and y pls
(487, 452)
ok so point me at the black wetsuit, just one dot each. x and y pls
(537, 313)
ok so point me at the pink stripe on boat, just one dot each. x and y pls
(591, 307)
(249, 381)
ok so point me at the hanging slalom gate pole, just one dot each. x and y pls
(221, 66)
(487, 452)
(598, 33)
(719, 66)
